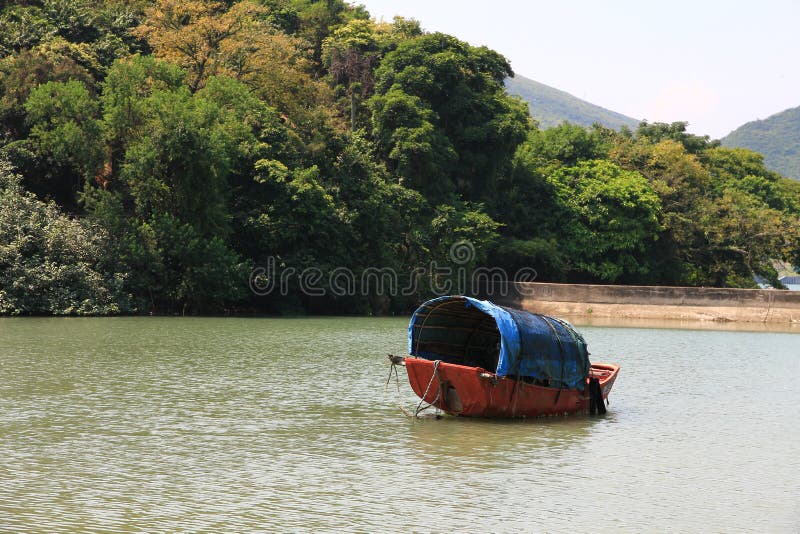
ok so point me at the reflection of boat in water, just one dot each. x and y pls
(473, 358)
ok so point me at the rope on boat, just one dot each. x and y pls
(393, 369)
(394, 360)
(435, 374)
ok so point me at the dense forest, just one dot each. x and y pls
(154, 153)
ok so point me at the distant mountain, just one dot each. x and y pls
(777, 137)
(551, 106)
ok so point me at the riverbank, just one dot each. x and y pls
(653, 302)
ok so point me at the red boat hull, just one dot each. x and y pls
(475, 392)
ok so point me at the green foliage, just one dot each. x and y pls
(568, 144)
(446, 97)
(126, 89)
(676, 131)
(301, 212)
(23, 71)
(725, 216)
(64, 124)
(192, 141)
(317, 19)
(23, 27)
(745, 235)
(614, 219)
(64, 144)
(180, 162)
(50, 263)
(95, 34)
(352, 53)
(379, 211)
(170, 265)
(201, 273)
(166, 187)
(463, 222)
(418, 153)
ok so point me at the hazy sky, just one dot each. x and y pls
(714, 64)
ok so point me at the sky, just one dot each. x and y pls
(714, 64)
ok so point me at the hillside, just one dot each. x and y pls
(777, 137)
(552, 106)
(290, 156)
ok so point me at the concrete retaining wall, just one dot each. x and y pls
(651, 302)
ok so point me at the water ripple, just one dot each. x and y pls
(131, 424)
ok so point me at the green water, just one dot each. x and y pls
(168, 424)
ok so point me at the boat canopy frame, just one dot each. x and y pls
(510, 342)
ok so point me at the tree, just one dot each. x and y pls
(318, 19)
(194, 35)
(567, 144)
(354, 50)
(350, 55)
(64, 124)
(744, 237)
(462, 223)
(173, 151)
(725, 216)
(526, 205)
(92, 35)
(613, 220)
(193, 140)
(166, 188)
(676, 131)
(50, 263)
(22, 27)
(23, 71)
(419, 154)
(208, 38)
(64, 144)
(683, 185)
(448, 98)
(126, 91)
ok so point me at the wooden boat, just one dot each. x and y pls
(473, 358)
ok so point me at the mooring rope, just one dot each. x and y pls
(435, 374)
(393, 369)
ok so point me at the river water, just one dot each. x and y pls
(172, 424)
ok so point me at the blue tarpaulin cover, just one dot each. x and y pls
(529, 345)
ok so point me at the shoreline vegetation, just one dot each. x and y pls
(604, 305)
(154, 153)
